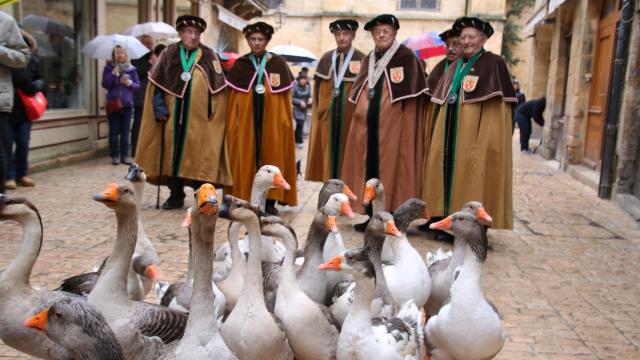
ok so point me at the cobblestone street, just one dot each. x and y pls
(565, 279)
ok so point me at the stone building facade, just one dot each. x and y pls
(306, 22)
(572, 62)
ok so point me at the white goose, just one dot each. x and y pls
(364, 338)
(481, 337)
(202, 340)
(250, 330)
(18, 298)
(443, 266)
(177, 296)
(309, 326)
(406, 274)
(141, 328)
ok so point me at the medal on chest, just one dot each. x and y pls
(371, 93)
(185, 76)
(260, 89)
(336, 92)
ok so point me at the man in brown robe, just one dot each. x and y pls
(469, 156)
(183, 121)
(332, 110)
(386, 136)
(260, 118)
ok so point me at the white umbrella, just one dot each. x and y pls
(294, 53)
(157, 30)
(102, 45)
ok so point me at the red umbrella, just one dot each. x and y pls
(231, 58)
(426, 45)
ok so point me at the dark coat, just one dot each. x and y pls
(143, 66)
(29, 80)
(301, 94)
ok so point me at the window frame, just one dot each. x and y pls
(418, 8)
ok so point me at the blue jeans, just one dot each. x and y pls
(17, 162)
(119, 128)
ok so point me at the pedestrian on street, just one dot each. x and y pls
(332, 110)
(142, 65)
(18, 130)
(469, 156)
(300, 98)
(519, 94)
(182, 134)
(386, 136)
(523, 115)
(120, 78)
(260, 121)
(14, 53)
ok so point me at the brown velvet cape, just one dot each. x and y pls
(243, 74)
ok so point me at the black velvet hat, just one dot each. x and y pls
(474, 22)
(190, 20)
(259, 27)
(449, 33)
(382, 19)
(343, 24)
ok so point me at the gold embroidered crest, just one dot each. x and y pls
(397, 74)
(274, 79)
(354, 67)
(469, 83)
(217, 67)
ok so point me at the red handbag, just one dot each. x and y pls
(34, 105)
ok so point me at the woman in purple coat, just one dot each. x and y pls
(120, 79)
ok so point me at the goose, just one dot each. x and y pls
(17, 297)
(364, 338)
(406, 274)
(309, 326)
(267, 177)
(250, 331)
(79, 327)
(334, 244)
(177, 296)
(481, 337)
(145, 262)
(141, 328)
(309, 278)
(201, 338)
(344, 293)
(442, 270)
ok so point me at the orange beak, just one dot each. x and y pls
(334, 264)
(483, 215)
(444, 224)
(186, 222)
(391, 229)
(38, 321)
(108, 195)
(345, 209)
(152, 272)
(280, 182)
(331, 224)
(347, 191)
(207, 203)
(369, 194)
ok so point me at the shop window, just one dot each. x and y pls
(418, 4)
(59, 28)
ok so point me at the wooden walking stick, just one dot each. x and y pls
(161, 163)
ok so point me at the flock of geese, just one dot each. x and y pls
(257, 296)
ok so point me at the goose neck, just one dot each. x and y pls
(19, 270)
(237, 256)
(288, 274)
(253, 280)
(113, 279)
(360, 312)
(259, 195)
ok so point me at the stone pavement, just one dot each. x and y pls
(565, 279)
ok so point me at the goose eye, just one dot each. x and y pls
(57, 315)
(127, 190)
(268, 171)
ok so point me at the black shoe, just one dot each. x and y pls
(270, 208)
(173, 203)
(444, 236)
(362, 226)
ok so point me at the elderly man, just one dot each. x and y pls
(14, 53)
(260, 117)
(451, 39)
(183, 123)
(469, 157)
(332, 111)
(386, 136)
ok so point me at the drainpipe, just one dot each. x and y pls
(615, 96)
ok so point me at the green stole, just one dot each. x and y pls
(372, 168)
(181, 113)
(451, 127)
